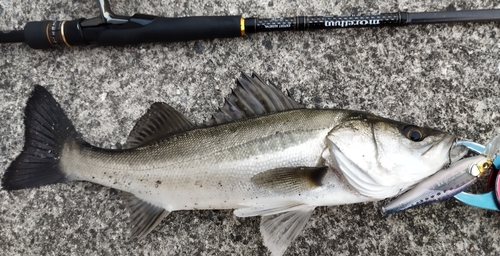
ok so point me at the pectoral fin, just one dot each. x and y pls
(290, 180)
(144, 217)
(279, 231)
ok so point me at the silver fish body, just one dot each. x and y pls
(261, 155)
(212, 167)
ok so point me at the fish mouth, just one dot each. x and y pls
(442, 185)
(447, 144)
(448, 181)
(456, 152)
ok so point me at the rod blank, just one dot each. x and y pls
(453, 17)
(15, 36)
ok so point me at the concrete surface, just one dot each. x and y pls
(443, 76)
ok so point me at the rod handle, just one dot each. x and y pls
(50, 34)
(150, 29)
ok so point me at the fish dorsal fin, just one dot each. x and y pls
(160, 121)
(144, 216)
(290, 180)
(252, 97)
(279, 231)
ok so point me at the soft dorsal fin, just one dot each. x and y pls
(160, 121)
(252, 97)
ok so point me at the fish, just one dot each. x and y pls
(261, 154)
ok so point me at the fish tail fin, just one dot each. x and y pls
(47, 130)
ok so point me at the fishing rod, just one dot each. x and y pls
(110, 29)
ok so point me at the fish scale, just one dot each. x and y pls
(174, 164)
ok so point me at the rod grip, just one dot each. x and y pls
(161, 29)
(50, 34)
(36, 34)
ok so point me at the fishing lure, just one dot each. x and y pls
(455, 179)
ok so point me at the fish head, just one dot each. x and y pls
(382, 157)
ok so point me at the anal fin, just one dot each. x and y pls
(279, 231)
(144, 217)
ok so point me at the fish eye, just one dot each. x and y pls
(413, 133)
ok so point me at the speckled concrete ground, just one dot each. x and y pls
(443, 76)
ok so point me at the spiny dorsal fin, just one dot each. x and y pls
(252, 97)
(290, 180)
(144, 217)
(160, 121)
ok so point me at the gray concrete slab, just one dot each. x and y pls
(443, 76)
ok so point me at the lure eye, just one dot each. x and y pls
(413, 133)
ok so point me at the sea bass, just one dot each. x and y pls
(261, 154)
